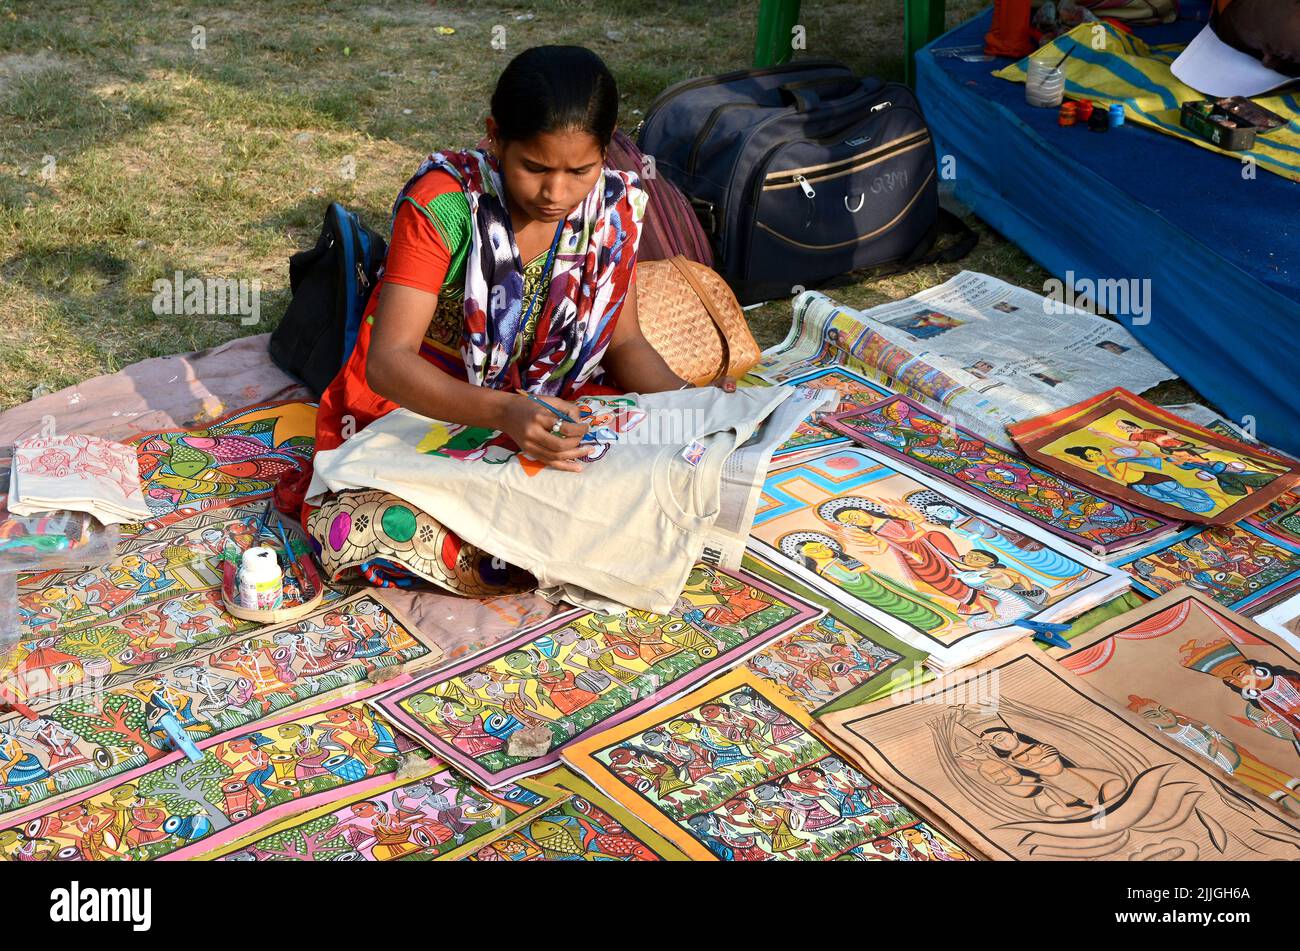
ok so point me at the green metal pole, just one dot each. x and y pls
(776, 20)
(923, 20)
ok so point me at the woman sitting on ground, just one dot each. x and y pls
(510, 268)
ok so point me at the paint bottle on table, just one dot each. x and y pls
(260, 580)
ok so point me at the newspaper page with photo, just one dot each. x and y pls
(987, 352)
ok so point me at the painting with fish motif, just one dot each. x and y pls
(159, 596)
(732, 773)
(937, 567)
(1237, 565)
(1025, 760)
(582, 672)
(173, 808)
(438, 815)
(1208, 679)
(1119, 443)
(587, 826)
(238, 457)
(904, 429)
(211, 690)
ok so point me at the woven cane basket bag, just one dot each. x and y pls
(689, 314)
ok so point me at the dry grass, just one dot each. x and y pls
(219, 162)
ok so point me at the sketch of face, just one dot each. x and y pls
(1002, 740)
(1159, 717)
(475, 679)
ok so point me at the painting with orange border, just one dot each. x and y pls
(1120, 444)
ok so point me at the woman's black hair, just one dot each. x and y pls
(555, 89)
(1080, 451)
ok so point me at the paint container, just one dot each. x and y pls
(260, 581)
(1116, 114)
(1044, 85)
(1067, 115)
(1084, 110)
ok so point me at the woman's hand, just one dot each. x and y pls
(531, 427)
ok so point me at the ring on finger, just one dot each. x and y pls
(558, 427)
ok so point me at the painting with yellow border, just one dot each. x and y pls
(587, 826)
(732, 772)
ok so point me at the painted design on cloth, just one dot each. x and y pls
(1024, 760)
(370, 532)
(159, 596)
(237, 457)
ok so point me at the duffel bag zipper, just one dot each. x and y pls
(858, 239)
(788, 178)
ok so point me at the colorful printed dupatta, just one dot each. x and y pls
(594, 262)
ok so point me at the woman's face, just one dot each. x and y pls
(817, 550)
(856, 517)
(550, 173)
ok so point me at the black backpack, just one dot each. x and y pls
(801, 173)
(331, 285)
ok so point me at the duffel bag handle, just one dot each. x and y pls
(807, 94)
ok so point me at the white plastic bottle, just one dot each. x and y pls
(261, 582)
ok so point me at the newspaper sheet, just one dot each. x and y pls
(985, 351)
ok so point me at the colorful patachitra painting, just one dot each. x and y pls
(1208, 679)
(587, 826)
(435, 815)
(906, 430)
(212, 690)
(839, 659)
(1025, 760)
(1280, 518)
(730, 772)
(855, 392)
(1120, 444)
(936, 567)
(581, 672)
(174, 808)
(1237, 565)
(237, 457)
(159, 597)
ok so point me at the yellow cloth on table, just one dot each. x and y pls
(1129, 71)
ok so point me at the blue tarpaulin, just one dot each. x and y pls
(1220, 250)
